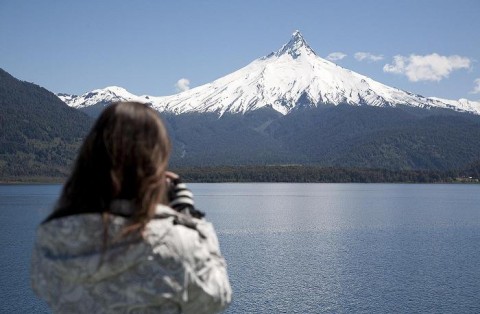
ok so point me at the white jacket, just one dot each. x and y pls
(176, 267)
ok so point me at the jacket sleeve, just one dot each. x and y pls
(206, 288)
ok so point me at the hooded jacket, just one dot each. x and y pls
(174, 267)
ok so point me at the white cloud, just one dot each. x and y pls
(360, 56)
(476, 88)
(335, 56)
(182, 85)
(433, 67)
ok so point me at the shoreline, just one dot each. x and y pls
(61, 182)
(291, 174)
(32, 181)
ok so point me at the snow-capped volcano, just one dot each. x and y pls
(285, 80)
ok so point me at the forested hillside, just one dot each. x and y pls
(331, 136)
(39, 134)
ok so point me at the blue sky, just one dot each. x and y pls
(427, 47)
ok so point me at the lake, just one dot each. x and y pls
(306, 248)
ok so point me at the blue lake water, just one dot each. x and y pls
(306, 248)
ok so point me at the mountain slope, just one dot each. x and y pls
(401, 138)
(294, 77)
(39, 134)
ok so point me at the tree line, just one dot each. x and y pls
(317, 174)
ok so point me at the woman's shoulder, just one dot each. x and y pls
(71, 234)
(182, 233)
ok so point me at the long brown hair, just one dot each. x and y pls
(124, 156)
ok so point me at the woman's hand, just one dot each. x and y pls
(171, 176)
(180, 197)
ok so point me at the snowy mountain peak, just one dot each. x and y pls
(105, 95)
(296, 46)
(114, 89)
(294, 77)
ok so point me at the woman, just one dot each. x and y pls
(112, 245)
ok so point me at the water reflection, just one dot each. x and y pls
(307, 248)
(311, 248)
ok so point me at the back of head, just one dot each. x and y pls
(124, 156)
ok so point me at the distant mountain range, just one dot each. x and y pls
(290, 108)
(292, 78)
